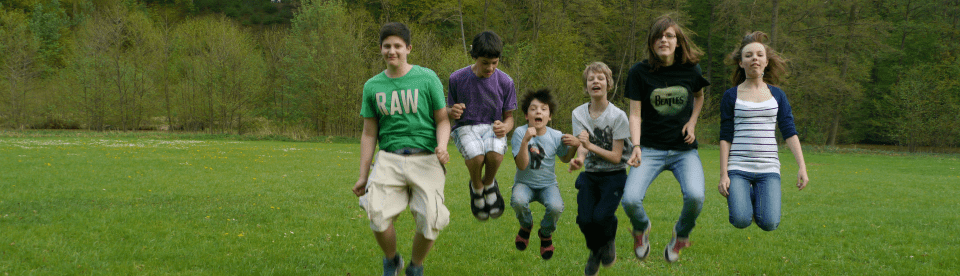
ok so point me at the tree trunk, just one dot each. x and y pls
(773, 22)
(845, 59)
(463, 36)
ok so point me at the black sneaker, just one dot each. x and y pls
(392, 267)
(495, 209)
(593, 264)
(477, 205)
(414, 270)
(608, 254)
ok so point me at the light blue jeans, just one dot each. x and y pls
(754, 197)
(550, 198)
(688, 170)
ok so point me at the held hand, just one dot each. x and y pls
(575, 164)
(724, 186)
(570, 140)
(584, 138)
(360, 188)
(500, 129)
(442, 155)
(635, 159)
(688, 132)
(802, 179)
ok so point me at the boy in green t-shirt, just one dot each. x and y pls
(404, 110)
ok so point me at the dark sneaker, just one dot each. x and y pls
(641, 243)
(546, 246)
(477, 206)
(496, 208)
(392, 267)
(672, 252)
(523, 239)
(414, 270)
(593, 264)
(608, 254)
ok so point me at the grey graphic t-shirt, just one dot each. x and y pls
(611, 125)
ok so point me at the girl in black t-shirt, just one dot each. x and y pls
(666, 97)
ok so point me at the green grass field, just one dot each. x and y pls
(109, 205)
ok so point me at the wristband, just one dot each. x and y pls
(636, 146)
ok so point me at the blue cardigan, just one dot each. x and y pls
(784, 113)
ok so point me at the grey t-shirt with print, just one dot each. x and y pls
(611, 125)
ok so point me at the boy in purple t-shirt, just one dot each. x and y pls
(481, 100)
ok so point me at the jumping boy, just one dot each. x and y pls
(604, 133)
(403, 110)
(534, 147)
(481, 100)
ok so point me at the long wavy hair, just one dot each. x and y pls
(776, 71)
(686, 52)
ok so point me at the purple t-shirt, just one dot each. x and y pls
(485, 98)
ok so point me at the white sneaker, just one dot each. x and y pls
(672, 252)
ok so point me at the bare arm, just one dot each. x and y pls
(635, 121)
(724, 185)
(368, 144)
(523, 157)
(443, 135)
(794, 144)
(689, 128)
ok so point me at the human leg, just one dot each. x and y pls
(689, 172)
(520, 200)
(635, 189)
(553, 203)
(638, 180)
(493, 151)
(587, 197)
(739, 201)
(767, 204)
(491, 189)
(426, 183)
(611, 191)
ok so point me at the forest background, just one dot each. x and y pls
(861, 71)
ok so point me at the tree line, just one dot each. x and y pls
(861, 71)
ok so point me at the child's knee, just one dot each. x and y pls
(768, 225)
(554, 209)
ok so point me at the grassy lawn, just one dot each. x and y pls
(154, 205)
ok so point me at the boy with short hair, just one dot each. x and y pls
(604, 133)
(534, 147)
(481, 100)
(403, 110)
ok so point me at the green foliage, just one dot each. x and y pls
(846, 57)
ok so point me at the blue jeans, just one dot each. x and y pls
(550, 198)
(754, 197)
(688, 170)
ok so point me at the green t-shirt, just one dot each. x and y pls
(404, 108)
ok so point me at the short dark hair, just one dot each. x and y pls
(397, 29)
(486, 44)
(543, 95)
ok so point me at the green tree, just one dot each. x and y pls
(19, 67)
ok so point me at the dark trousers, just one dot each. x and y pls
(597, 201)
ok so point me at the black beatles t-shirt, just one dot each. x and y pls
(666, 102)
